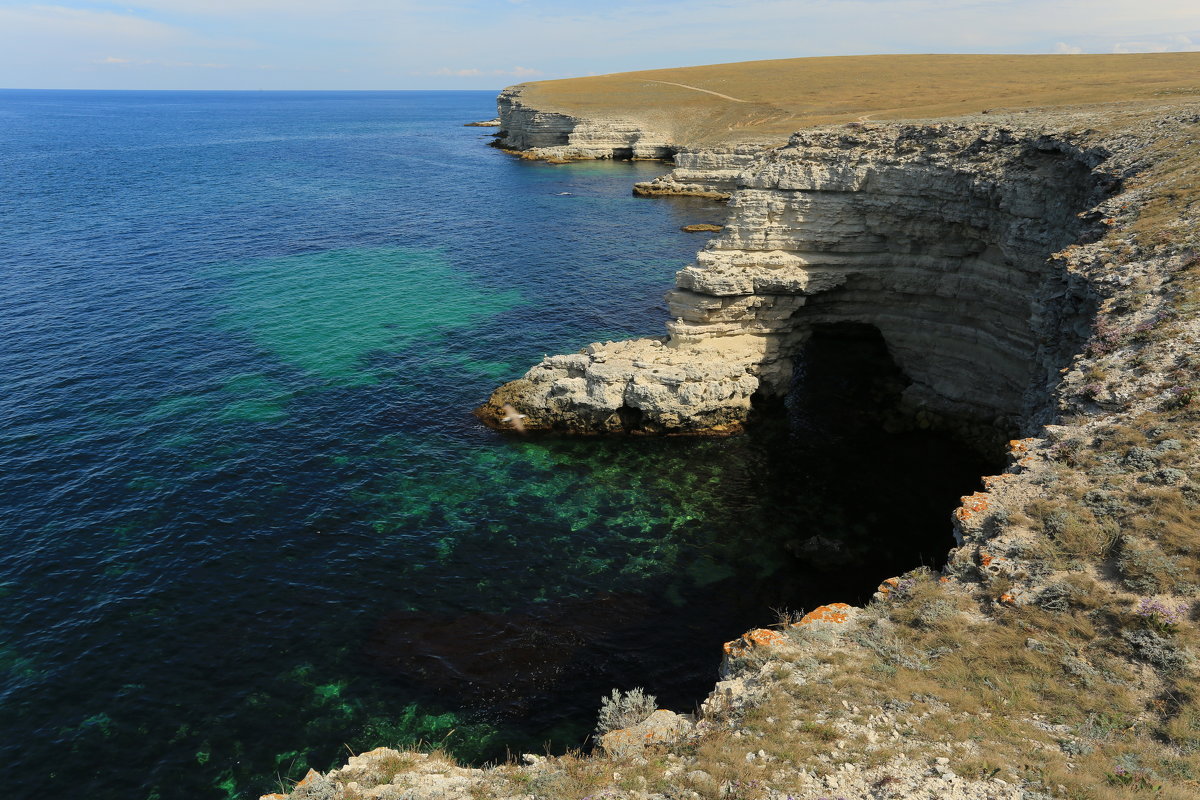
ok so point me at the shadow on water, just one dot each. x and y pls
(887, 494)
(816, 503)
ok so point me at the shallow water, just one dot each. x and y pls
(249, 521)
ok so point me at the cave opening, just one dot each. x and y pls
(844, 378)
(887, 486)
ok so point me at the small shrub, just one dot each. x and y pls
(1146, 569)
(1166, 476)
(1080, 535)
(1136, 780)
(1062, 596)
(1157, 650)
(928, 615)
(623, 710)
(1140, 459)
(1179, 397)
(1102, 725)
(1183, 729)
(1103, 503)
(1076, 748)
(1161, 616)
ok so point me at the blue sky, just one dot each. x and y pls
(488, 44)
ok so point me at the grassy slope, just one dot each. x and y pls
(784, 95)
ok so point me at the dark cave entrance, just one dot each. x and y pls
(870, 494)
(843, 380)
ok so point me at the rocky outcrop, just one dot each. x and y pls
(557, 136)
(703, 172)
(661, 727)
(942, 237)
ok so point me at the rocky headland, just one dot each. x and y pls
(1035, 273)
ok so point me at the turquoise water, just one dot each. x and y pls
(249, 520)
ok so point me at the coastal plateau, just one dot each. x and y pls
(1027, 244)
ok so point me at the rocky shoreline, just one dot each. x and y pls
(960, 222)
(1036, 276)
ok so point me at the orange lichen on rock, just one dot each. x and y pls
(1019, 447)
(972, 504)
(759, 637)
(1007, 599)
(990, 481)
(887, 586)
(836, 613)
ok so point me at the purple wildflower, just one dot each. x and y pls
(1160, 614)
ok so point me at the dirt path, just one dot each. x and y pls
(706, 91)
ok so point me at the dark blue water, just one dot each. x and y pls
(248, 519)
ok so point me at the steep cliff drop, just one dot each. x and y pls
(942, 237)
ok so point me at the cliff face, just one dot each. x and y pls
(703, 172)
(941, 237)
(557, 136)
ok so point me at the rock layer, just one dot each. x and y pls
(561, 137)
(703, 172)
(942, 237)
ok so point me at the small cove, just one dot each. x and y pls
(250, 520)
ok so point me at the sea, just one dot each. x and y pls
(249, 524)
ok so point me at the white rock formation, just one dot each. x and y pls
(703, 172)
(562, 137)
(942, 237)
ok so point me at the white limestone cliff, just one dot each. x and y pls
(557, 136)
(942, 237)
(703, 172)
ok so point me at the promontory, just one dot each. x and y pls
(1024, 233)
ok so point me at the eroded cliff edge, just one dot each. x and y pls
(941, 236)
(1040, 274)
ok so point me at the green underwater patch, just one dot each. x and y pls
(245, 398)
(326, 312)
(606, 515)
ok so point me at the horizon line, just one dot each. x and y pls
(80, 89)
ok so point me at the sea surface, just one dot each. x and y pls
(249, 523)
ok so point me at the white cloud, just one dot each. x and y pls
(24, 22)
(402, 43)
(457, 73)
(1164, 44)
(516, 72)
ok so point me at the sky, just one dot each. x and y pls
(489, 44)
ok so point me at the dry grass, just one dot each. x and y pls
(784, 95)
(1028, 694)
